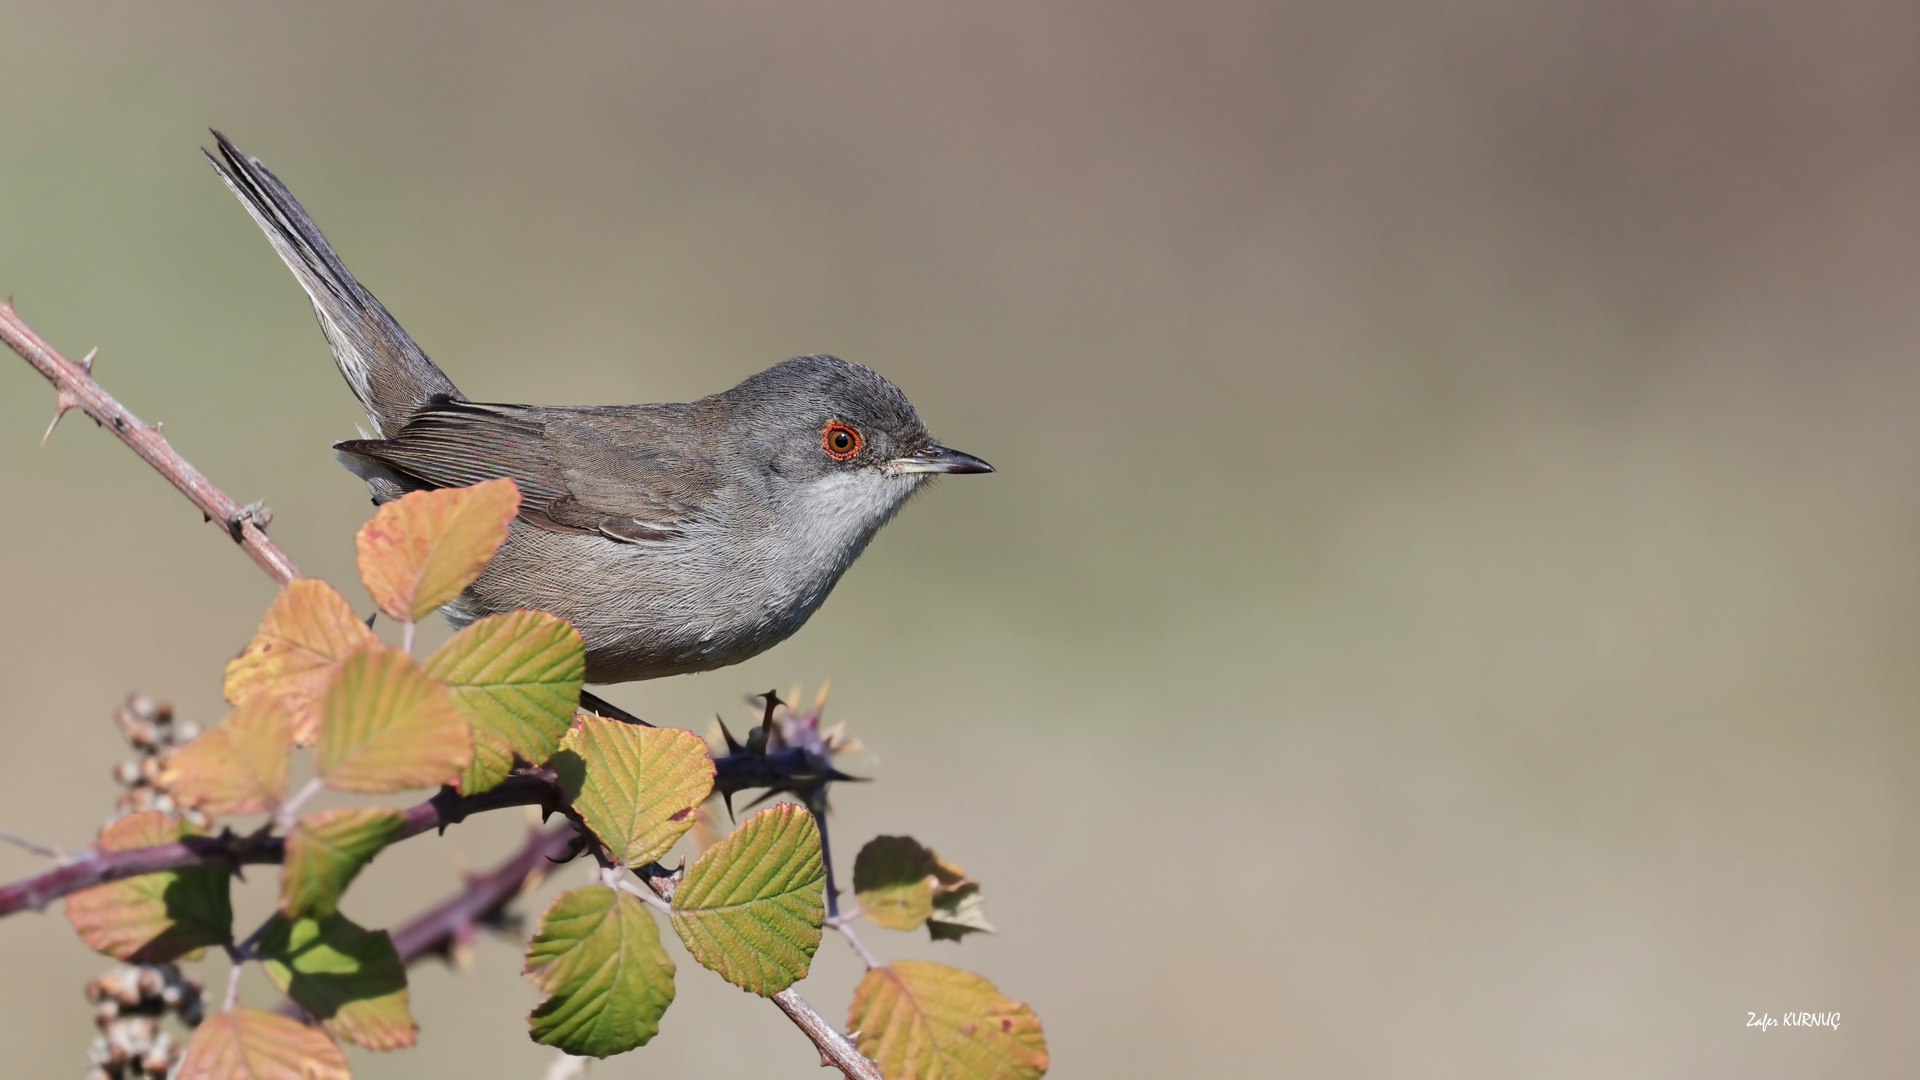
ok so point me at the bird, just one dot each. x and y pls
(676, 537)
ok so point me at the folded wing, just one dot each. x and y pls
(616, 481)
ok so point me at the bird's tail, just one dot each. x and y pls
(390, 374)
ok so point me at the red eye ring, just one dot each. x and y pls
(839, 440)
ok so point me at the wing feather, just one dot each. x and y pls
(630, 490)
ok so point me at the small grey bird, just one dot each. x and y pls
(675, 538)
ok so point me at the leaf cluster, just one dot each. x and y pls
(503, 694)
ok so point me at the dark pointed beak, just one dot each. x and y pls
(938, 459)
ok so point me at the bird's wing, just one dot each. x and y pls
(599, 471)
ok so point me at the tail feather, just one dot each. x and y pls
(390, 374)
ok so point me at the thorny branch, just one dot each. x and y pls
(442, 929)
(434, 930)
(96, 867)
(75, 389)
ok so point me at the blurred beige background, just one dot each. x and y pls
(1449, 606)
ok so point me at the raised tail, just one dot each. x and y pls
(390, 374)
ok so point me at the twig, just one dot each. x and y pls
(645, 894)
(239, 961)
(76, 390)
(290, 810)
(244, 950)
(34, 846)
(95, 867)
(844, 924)
(835, 1049)
(826, 859)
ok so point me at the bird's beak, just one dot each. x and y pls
(938, 459)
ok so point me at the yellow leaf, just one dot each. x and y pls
(388, 726)
(635, 786)
(247, 1044)
(308, 630)
(920, 1019)
(238, 767)
(517, 678)
(421, 549)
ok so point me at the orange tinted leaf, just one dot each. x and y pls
(921, 1019)
(387, 726)
(421, 549)
(240, 765)
(635, 786)
(247, 1044)
(152, 918)
(308, 630)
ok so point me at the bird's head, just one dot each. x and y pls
(833, 425)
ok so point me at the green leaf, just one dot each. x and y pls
(598, 957)
(348, 978)
(636, 787)
(388, 726)
(750, 907)
(516, 677)
(492, 761)
(958, 912)
(152, 918)
(325, 851)
(247, 1044)
(240, 765)
(894, 877)
(921, 1019)
(902, 883)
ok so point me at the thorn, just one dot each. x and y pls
(732, 746)
(61, 403)
(86, 362)
(727, 796)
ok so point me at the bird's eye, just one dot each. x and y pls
(839, 440)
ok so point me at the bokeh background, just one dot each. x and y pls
(1449, 605)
